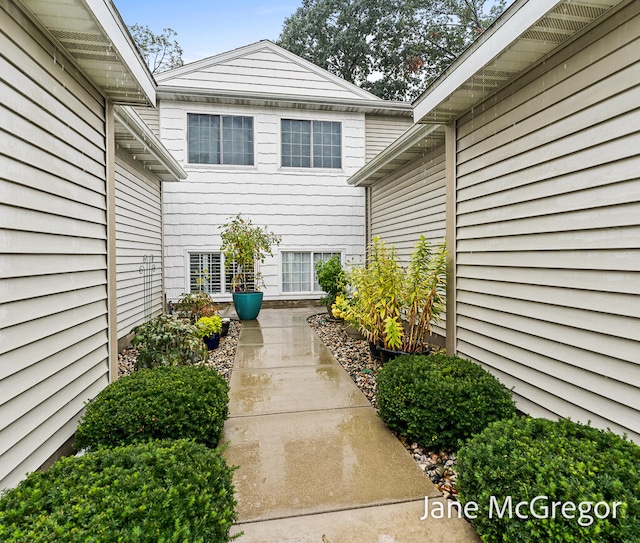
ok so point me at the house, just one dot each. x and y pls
(264, 133)
(80, 198)
(525, 155)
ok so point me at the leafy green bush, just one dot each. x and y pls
(170, 491)
(439, 401)
(194, 305)
(567, 462)
(331, 278)
(161, 403)
(167, 341)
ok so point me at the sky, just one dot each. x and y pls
(210, 27)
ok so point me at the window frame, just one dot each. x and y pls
(312, 145)
(221, 139)
(224, 280)
(329, 251)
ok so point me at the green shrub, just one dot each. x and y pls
(194, 305)
(188, 402)
(439, 401)
(170, 491)
(331, 278)
(523, 458)
(168, 341)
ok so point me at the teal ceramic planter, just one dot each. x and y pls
(247, 304)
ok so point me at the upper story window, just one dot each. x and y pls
(219, 139)
(311, 144)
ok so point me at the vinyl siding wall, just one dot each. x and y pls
(53, 271)
(548, 230)
(138, 244)
(382, 131)
(410, 203)
(313, 209)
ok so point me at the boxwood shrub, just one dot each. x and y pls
(439, 401)
(566, 462)
(160, 403)
(169, 491)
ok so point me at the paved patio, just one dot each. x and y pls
(316, 464)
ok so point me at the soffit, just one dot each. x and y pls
(95, 36)
(508, 48)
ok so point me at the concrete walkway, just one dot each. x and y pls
(316, 464)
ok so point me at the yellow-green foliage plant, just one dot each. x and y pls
(393, 306)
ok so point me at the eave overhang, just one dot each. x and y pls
(134, 136)
(198, 95)
(527, 32)
(416, 141)
(95, 36)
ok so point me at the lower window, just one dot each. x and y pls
(206, 274)
(298, 271)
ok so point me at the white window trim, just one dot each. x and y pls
(230, 167)
(316, 171)
(311, 294)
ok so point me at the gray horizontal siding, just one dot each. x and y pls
(53, 277)
(548, 223)
(380, 132)
(409, 203)
(138, 244)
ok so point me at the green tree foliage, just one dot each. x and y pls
(161, 51)
(392, 48)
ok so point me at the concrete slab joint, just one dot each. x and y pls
(314, 459)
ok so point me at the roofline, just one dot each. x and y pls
(413, 136)
(110, 20)
(134, 124)
(386, 107)
(498, 38)
(250, 48)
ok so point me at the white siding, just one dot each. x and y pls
(138, 244)
(548, 230)
(53, 271)
(382, 131)
(261, 69)
(313, 209)
(151, 116)
(410, 203)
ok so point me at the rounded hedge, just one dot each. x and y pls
(169, 491)
(562, 462)
(170, 402)
(439, 401)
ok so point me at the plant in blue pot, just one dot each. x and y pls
(209, 330)
(245, 246)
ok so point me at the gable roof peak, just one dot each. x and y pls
(252, 48)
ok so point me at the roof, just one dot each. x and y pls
(264, 74)
(134, 136)
(94, 35)
(525, 33)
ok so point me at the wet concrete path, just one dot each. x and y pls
(314, 458)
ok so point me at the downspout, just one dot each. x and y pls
(112, 302)
(451, 196)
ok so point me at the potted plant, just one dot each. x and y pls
(245, 246)
(395, 307)
(209, 330)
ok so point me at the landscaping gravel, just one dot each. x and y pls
(353, 354)
(221, 358)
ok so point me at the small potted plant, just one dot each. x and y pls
(209, 330)
(245, 246)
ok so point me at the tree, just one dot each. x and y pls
(392, 48)
(158, 50)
